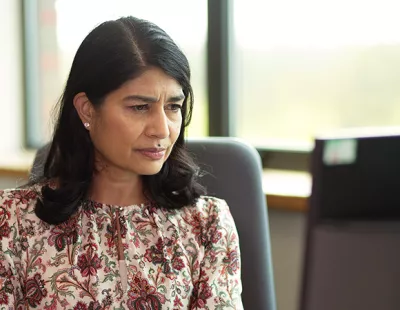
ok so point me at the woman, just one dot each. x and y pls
(119, 221)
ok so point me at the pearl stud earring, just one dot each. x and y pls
(86, 125)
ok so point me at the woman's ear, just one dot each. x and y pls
(84, 108)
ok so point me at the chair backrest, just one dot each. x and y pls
(233, 172)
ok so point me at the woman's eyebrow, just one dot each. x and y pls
(148, 99)
(145, 99)
(176, 98)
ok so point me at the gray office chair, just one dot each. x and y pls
(233, 172)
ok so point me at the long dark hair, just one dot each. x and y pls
(113, 53)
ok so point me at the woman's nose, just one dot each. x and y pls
(158, 125)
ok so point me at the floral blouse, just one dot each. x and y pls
(174, 259)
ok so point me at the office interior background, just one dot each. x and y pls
(276, 73)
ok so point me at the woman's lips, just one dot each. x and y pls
(153, 153)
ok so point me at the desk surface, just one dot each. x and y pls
(287, 190)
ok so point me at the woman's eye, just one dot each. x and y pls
(174, 107)
(142, 107)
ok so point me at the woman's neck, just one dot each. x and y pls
(116, 189)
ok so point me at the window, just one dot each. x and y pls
(303, 67)
(55, 28)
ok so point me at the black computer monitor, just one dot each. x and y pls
(352, 254)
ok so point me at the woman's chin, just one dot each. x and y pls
(150, 170)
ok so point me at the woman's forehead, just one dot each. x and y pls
(153, 80)
(152, 84)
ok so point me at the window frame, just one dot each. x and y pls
(31, 97)
(220, 84)
(222, 107)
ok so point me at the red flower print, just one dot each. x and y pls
(80, 306)
(8, 203)
(147, 302)
(63, 234)
(155, 253)
(3, 298)
(94, 305)
(22, 196)
(177, 301)
(88, 264)
(177, 263)
(205, 290)
(8, 286)
(201, 292)
(143, 296)
(216, 237)
(198, 223)
(232, 262)
(4, 272)
(5, 229)
(34, 290)
(89, 207)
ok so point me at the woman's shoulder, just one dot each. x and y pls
(208, 220)
(209, 211)
(22, 198)
(210, 204)
(16, 206)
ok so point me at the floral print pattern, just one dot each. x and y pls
(175, 259)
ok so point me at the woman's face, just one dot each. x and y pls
(136, 127)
